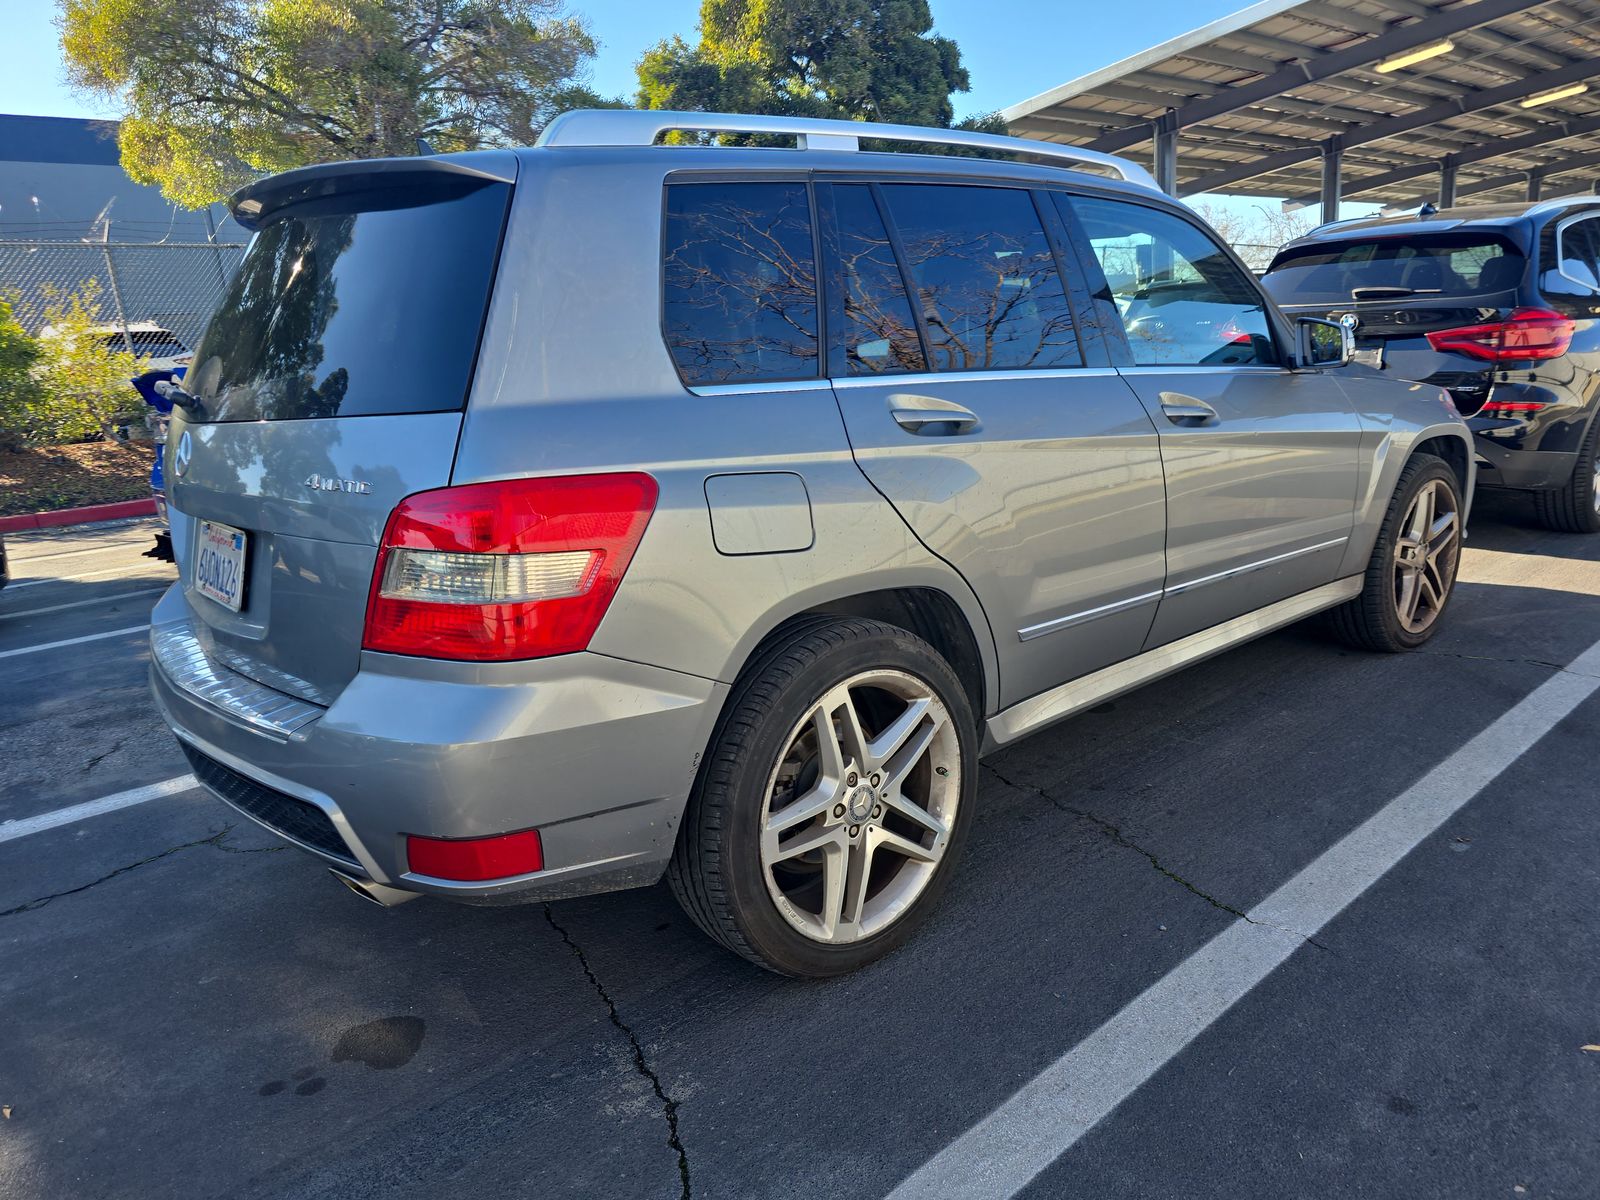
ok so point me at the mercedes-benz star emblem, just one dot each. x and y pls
(180, 460)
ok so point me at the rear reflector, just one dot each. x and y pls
(474, 860)
(1528, 335)
(518, 568)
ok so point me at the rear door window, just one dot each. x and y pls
(1183, 301)
(354, 306)
(984, 277)
(740, 281)
(1446, 265)
(878, 333)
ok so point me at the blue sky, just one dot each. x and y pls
(1013, 48)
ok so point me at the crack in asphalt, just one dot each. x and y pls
(100, 758)
(1118, 838)
(1518, 662)
(669, 1106)
(215, 841)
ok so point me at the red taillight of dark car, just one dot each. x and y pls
(512, 569)
(1527, 335)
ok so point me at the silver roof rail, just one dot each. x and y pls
(641, 127)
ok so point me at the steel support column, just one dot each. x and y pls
(1535, 181)
(1166, 156)
(1447, 182)
(1332, 159)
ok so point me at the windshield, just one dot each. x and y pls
(1394, 268)
(354, 306)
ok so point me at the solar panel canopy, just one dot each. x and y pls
(1383, 101)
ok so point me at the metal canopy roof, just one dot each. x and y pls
(1282, 98)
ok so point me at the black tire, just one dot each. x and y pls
(717, 871)
(1572, 509)
(1372, 621)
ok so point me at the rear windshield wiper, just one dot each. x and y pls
(1379, 291)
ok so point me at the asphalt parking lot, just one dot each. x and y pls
(187, 1009)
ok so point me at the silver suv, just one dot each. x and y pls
(553, 520)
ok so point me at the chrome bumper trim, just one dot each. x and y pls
(183, 660)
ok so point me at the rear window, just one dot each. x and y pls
(1449, 265)
(356, 306)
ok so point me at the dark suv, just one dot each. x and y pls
(1498, 304)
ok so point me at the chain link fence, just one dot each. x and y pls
(154, 297)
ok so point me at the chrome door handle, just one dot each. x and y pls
(920, 414)
(1186, 410)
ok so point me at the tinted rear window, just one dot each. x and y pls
(740, 282)
(343, 313)
(1448, 265)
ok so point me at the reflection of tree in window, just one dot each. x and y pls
(267, 334)
(741, 291)
(984, 274)
(880, 334)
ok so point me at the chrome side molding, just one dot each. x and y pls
(1033, 714)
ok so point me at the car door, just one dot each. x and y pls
(1261, 459)
(1031, 470)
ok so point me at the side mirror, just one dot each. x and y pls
(1323, 343)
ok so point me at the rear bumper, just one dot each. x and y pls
(597, 753)
(1534, 470)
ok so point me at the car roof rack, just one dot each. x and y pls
(642, 127)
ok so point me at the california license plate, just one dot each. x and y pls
(219, 564)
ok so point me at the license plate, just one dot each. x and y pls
(1370, 356)
(219, 564)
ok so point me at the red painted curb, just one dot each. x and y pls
(79, 516)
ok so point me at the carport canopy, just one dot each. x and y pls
(1384, 101)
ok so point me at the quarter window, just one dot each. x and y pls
(741, 282)
(1182, 300)
(985, 278)
(1579, 247)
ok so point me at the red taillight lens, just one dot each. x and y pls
(473, 860)
(1529, 334)
(518, 568)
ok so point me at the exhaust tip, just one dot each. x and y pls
(376, 893)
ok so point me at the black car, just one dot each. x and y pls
(1499, 304)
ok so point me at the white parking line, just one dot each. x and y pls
(88, 637)
(22, 583)
(34, 612)
(11, 830)
(107, 548)
(1001, 1154)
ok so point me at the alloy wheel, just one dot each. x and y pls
(859, 810)
(1425, 556)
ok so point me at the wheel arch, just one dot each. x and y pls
(929, 612)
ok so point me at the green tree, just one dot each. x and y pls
(218, 91)
(869, 60)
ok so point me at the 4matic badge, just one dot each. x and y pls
(329, 483)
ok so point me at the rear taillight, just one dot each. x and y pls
(1509, 408)
(517, 568)
(1528, 334)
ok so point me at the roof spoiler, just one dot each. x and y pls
(252, 206)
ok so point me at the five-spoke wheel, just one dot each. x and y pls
(833, 800)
